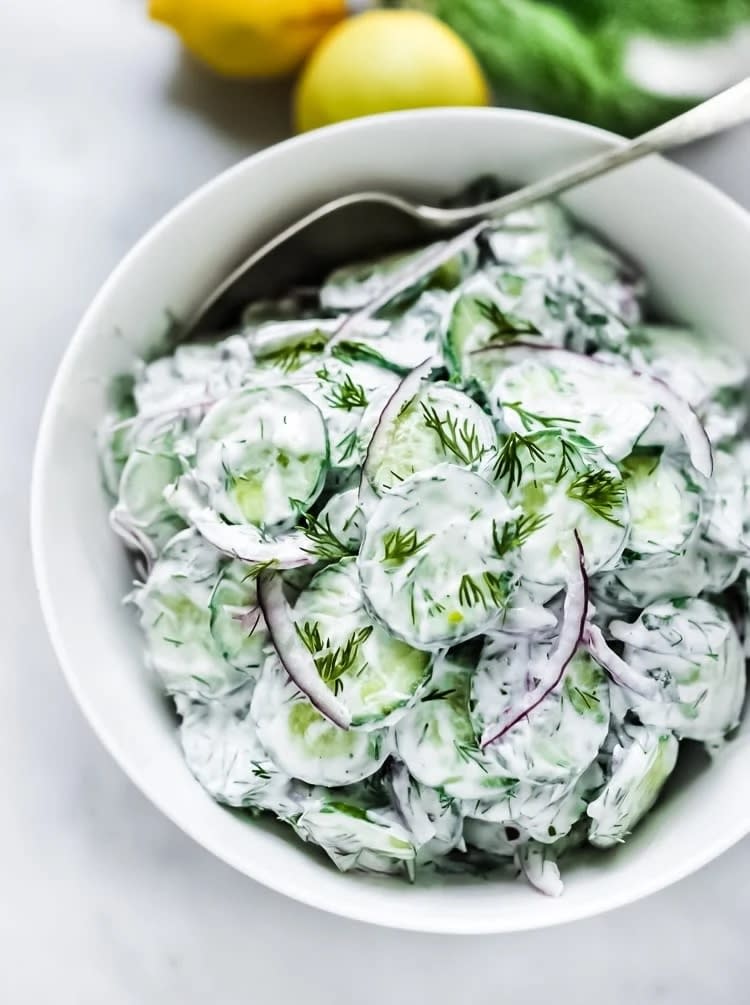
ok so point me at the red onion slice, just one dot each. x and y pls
(655, 391)
(133, 536)
(575, 609)
(620, 672)
(403, 393)
(293, 654)
(244, 542)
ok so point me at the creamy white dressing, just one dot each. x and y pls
(416, 493)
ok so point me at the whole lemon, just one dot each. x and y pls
(385, 60)
(249, 38)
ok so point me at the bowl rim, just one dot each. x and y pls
(274, 880)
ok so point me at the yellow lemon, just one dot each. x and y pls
(250, 38)
(385, 60)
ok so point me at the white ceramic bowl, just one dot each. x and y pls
(694, 245)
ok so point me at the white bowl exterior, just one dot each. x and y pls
(694, 245)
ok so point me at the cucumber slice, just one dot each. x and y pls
(440, 423)
(543, 813)
(147, 474)
(262, 456)
(709, 374)
(535, 237)
(304, 744)
(665, 507)
(433, 819)
(343, 517)
(606, 408)
(354, 286)
(176, 617)
(343, 391)
(428, 565)
(727, 524)
(497, 307)
(376, 677)
(558, 741)
(692, 650)
(561, 483)
(223, 752)
(638, 769)
(438, 744)
(358, 838)
(235, 621)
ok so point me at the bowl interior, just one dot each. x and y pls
(694, 245)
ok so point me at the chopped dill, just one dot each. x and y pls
(508, 464)
(399, 545)
(345, 395)
(601, 491)
(531, 419)
(332, 663)
(462, 442)
(505, 327)
(516, 533)
(325, 544)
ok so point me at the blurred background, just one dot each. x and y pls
(110, 117)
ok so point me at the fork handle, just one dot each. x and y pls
(729, 108)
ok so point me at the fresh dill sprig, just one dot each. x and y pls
(291, 357)
(346, 394)
(347, 445)
(399, 545)
(505, 327)
(462, 442)
(516, 533)
(570, 458)
(467, 753)
(508, 464)
(531, 419)
(325, 544)
(493, 591)
(331, 663)
(600, 490)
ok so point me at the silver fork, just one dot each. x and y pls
(278, 258)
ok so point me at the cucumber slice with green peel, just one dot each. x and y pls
(438, 744)
(375, 676)
(607, 407)
(303, 743)
(440, 423)
(639, 767)
(357, 838)
(665, 507)
(354, 286)
(561, 737)
(176, 617)
(428, 563)
(691, 648)
(343, 519)
(147, 474)
(497, 307)
(262, 455)
(535, 237)
(544, 813)
(235, 622)
(559, 483)
(223, 752)
(343, 391)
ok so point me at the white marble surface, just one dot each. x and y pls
(102, 900)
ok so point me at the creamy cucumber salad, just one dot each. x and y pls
(443, 561)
